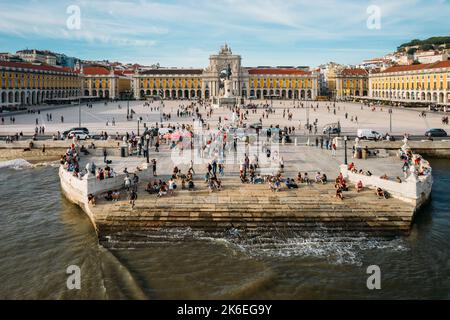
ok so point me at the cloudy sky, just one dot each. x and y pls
(186, 32)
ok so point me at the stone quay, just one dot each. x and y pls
(254, 206)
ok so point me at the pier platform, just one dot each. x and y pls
(248, 207)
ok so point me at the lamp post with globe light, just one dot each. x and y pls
(345, 150)
(147, 138)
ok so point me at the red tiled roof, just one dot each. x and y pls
(442, 64)
(404, 68)
(42, 67)
(279, 71)
(354, 72)
(173, 71)
(96, 71)
(436, 65)
(67, 69)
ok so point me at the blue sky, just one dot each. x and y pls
(185, 32)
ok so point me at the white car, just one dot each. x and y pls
(369, 134)
(80, 135)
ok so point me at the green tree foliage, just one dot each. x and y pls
(429, 43)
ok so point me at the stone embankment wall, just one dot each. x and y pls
(436, 149)
(415, 190)
(77, 190)
(112, 146)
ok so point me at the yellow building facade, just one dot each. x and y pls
(105, 83)
(170, 84)
(352, 83)
(208, 83)
(25, 84)
(422, 83)
(282, 83)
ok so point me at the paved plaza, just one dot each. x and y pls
(97, 117)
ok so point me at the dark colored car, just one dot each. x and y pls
(256, 126)
(436, 133)
(331, 130)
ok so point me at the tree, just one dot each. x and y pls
(427, 47)
(411, 51)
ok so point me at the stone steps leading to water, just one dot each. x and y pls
(253, 207)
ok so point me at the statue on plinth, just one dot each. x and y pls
(405, 146)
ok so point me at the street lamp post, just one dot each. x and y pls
(345, 150)
(147, 137)
(307, 112)
(390, 120)
(128, 105)
(138, 122)
(79, 113)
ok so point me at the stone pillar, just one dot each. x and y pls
(136, 87)
(112, 88)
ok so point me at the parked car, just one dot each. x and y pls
(164, 131)
(257, 125)
(436, 133)
(334, 128)
(80, 135)
(85, 130)
(369, 134)
(331, 130)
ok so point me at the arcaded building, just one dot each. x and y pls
(25, 84)
(258, 83)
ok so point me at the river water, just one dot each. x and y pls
(41, 234)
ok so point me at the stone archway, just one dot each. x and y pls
(302, 94)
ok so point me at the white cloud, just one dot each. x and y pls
(174, 28)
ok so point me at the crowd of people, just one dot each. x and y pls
(71, 161)
(214, 144)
